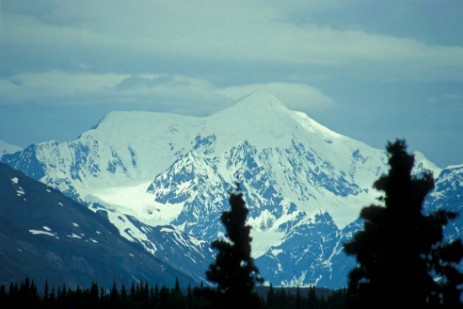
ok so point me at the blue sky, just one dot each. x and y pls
(372, 70)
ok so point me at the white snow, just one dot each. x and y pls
(75, 224)
(46, 228)
(276, 252)
(15, 180)
(73, 235)
(422, 162)
(20, 191)
(129, 231)
(263, 240)
(60, 204)
(135, 201)
(40, 232)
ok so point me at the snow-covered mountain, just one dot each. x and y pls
(448, 194)
(6, 148)
(303, 183)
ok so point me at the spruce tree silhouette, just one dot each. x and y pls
(400, 250)
(234, 270)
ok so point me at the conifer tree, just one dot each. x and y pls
(270, 296)
(400, 248)
(156, 295)
(177, 286)
(114, 296)
(164, 298)
(234, 270)
(45, 290)
(133, 293)
(189, 297)
(93, 294)
(123, 291)
(298, 301)
(145, 293)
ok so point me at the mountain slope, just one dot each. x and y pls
(300, 181)
(448, 194)
(44, 235)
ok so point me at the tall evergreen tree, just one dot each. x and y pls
(93, 295)
(400, 248)
(177, 286)
(189, 297)
(113, 301)
(45, 290)
(270, 296)
(234, 270)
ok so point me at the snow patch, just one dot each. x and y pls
(40, 232)
(73, 235)
(129, 231)
(20, 191)
(262, 241)
(15, 180)
(134, 200)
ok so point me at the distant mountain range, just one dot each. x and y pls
(163, 180)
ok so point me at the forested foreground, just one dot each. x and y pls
(142, 295)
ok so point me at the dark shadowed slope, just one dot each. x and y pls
(44, 235)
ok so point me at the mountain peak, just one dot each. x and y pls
(259, 100)
(259, 107)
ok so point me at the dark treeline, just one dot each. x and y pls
(142, 295)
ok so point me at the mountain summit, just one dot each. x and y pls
(164, 177)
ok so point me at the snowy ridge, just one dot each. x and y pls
(163, 180)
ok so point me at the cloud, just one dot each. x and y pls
(173, 93)
(161, 92)
(52, 86)
(114, 36)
